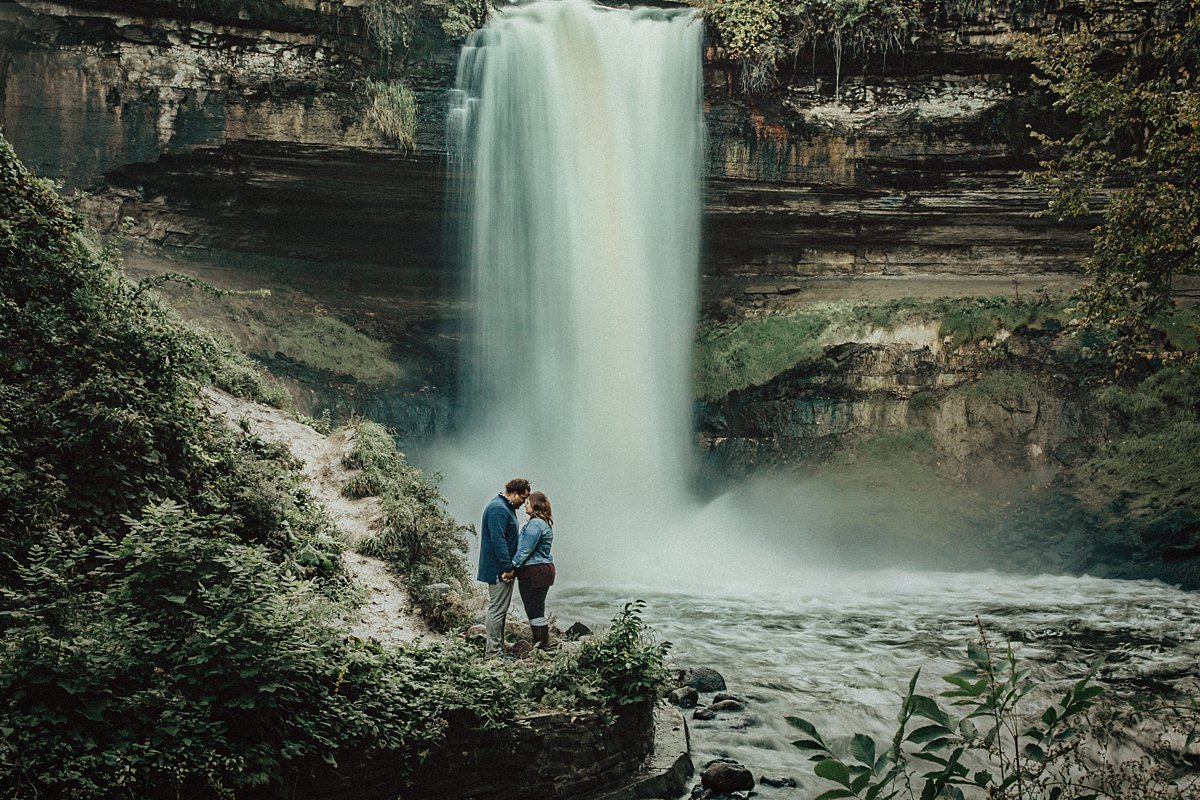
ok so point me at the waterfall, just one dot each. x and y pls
(578, 135)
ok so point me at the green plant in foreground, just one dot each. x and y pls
(626, 661)
(996, 749)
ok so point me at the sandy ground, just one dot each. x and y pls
(385, 613)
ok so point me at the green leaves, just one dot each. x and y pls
(1125, 77)
(419, 537)
(833, 770)
(626, 663)
(759, 33)
(929, 759)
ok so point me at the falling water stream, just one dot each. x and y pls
(578, 140)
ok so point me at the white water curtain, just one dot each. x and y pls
(579, 133)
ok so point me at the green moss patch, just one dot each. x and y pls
(750, 351)
(754, 351)
(1151, 467)
(264, 323)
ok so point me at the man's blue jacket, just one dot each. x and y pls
(497, 539)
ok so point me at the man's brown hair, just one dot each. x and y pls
(517, 486)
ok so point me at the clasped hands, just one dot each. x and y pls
(508, 576)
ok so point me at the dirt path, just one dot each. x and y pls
(384, 614)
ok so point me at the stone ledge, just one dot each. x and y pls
(555, 756)
(667, 770)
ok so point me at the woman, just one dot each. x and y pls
(535, 565)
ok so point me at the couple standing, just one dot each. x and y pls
(507, 553)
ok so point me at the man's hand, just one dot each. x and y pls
(508, 576)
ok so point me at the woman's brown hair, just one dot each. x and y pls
(539, 506)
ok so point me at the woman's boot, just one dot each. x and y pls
(541, 636)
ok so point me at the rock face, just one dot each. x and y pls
(1024, 417)
(902, 167)
(236, 136)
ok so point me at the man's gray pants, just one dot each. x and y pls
(499, 598)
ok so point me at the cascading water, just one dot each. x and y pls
(579, 135)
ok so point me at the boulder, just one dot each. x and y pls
(704, 714)
(726, 776)
(577, 631)
(702, 679)
(719, 696)
(727, 705)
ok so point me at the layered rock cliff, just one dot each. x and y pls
(223, 137)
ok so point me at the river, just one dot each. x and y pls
(838, 648)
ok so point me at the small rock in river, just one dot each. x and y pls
(684, 697)
(778, 782)
(703, 714)
(719, 696)
(728, 705)
(577, 631)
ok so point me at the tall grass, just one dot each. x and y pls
(393, 111)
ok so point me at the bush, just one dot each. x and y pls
(623, 667)
(192, 661)
(998, 747)
(418, 538)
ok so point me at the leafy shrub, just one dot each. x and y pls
(419, 537)
(621, 667)
(998, 747)
(465, 16)
(761, 33)
(626, 663)
(198, 663)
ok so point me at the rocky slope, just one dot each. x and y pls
(386, 610)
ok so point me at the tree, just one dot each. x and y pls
(1127, 76)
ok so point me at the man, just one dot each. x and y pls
(497, 545)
